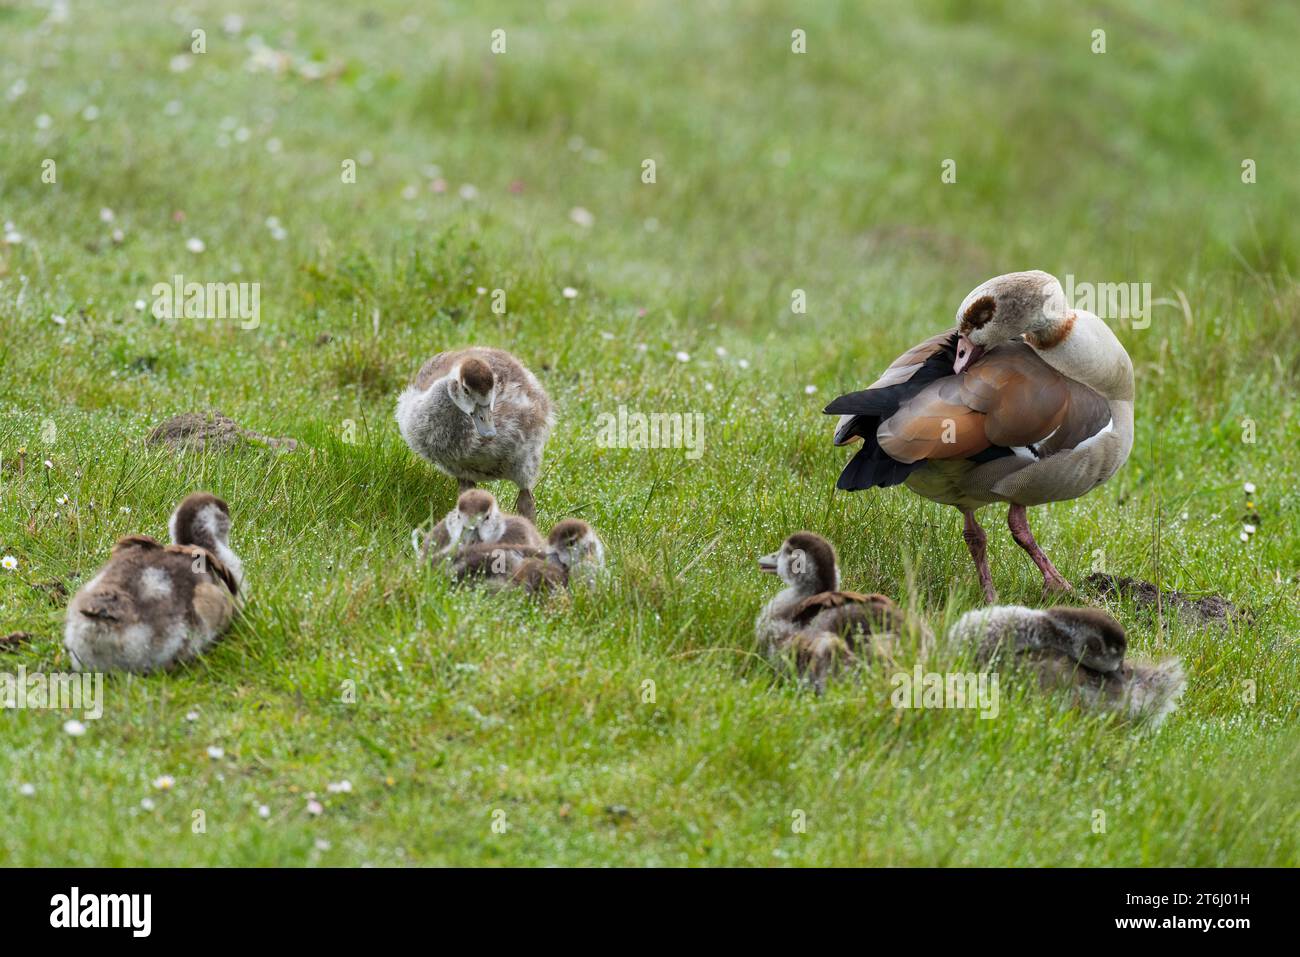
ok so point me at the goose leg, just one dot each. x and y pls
(1018, 522)
(524, 505)
(978, 542)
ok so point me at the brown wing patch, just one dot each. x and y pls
(128, 542)
(937, 423)
(1009, 397)
(212, 606)
(877, 606)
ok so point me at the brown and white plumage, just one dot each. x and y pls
(821, 627)
(476, 519)
(572, 554)
(1025, 402)
(1078, 650)
(155, 606)
(479, 414)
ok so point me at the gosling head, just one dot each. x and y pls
(473, 388)
(805, 561)
(202, 519)
(476, 518)
(1003, 308)
(573, 542)
(1090, 636)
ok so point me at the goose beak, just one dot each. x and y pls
(967, 354)
(482, 417)
(844, 431)
(768, 564)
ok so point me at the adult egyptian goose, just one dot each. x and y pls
(155, 606)
(1079, 650)
(478, 414)
(819, 625)
(1026, 402)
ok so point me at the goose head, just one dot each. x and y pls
(805, 561)
(473, 389)
(1090, 636)
(476, 518)
(573, 542)
(1006, 307)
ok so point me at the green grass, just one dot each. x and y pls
(775, 171)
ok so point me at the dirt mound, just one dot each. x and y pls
(1212, 609)
(211, 430)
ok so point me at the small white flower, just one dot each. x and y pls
(607, 336)
(481, 290)
(61, 500)
(582, 217)
(140, 305)
(314, 807)
(743, 363)
(13, 237)
(125, 509)
(809, 389)
(570, 293)
(273, 145)
(216, 753)
(8, 563)
(172, 108)
(48, 464)
(1245, 537)
(641, 347)
(44, 121)
(147, 804)
(342, 787)
(180, 63)
(263, 811)
(1186, 516)
(27, 790)
(720, 352)
(118, 236)
(195, 245)
(59, 320)
(469, 191)
(1250, 488)
(683, 357)
(90, 113)
(164, 783)
(1248, 529)
(708, 387)
(192, 716)
(322, 844)
(74, 727)
(105, 215)
(409, 193)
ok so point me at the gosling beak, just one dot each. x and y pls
(967, 354)
(482, 417)
(767, 564)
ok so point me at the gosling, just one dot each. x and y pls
(476, 519)
(479, 414)
(153, 607)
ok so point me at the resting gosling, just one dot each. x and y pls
(476, 519)
(478, 414)
(572, 553)
(821, 626)
(1077, 649)
(155, 606)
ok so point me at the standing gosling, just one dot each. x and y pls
(478, 414)
(154, 606)
(1080, 650)
(822, 627)
(475, 519)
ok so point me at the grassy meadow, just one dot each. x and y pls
(363, 711)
